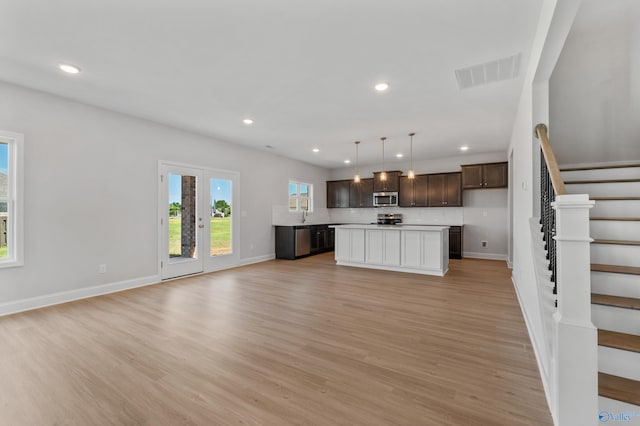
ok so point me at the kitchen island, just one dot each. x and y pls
(405, 248)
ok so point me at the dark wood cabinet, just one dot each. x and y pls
(445, 190)
(361, 193)
(414, 192)
(391, 184)
(455, 242)
(481, 176)
(338, 193)
(317, 239)
(322, 238)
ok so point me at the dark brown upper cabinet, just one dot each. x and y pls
(481, 176)
(445, 190)
(338, 193)
(361, 193)
(391, 184)
(414, 192)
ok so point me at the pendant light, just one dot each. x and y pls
(356, 178)
(411, 174)
(383, 174)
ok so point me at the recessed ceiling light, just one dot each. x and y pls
(316, 150)
(381, 87)
(247, 121)
(464, 148)
(399, 155)
(347, 161)
(69, 68)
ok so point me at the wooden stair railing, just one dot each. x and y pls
(550, 160)
(551, 185)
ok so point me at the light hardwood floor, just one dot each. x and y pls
(281, 342)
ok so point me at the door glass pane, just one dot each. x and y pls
(4, 220)
(182, 217)
(221, 217)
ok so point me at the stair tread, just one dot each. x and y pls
(614, 339)
(617, 301)
(631, 219)
(615, 198)
(620, 242)
(616, 166)
(619, 388)
(632, 270)
(584, 181)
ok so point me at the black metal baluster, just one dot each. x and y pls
(548, 221)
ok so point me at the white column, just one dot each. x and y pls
(576, 339)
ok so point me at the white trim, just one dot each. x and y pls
(257, 259)
(299, 197)
(15, 177)
(536, 349)
(601, 164)
(209, 263)
(71, 295)
(38, 302)
(490, 256)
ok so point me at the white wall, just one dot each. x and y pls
(484, 213)
(91, 188)
(554, 22)
(595, 86)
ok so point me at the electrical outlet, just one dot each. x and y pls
(102, 269)
(485, 244)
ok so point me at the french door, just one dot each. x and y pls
(198, 226)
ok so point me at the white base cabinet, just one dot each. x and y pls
(415, 249)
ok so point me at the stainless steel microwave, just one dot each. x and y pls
(385, 199)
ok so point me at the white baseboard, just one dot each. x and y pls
(31, 303)
(491, 256)
(71, 295)
(257, 259)
(536, 350)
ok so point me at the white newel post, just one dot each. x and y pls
(576, 339)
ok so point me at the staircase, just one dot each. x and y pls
(615, 277)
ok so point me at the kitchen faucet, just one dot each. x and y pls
(304, 215)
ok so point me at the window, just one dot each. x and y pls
(10, 199)
(300, 196)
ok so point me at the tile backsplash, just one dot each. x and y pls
(280, 215)
(412, 215)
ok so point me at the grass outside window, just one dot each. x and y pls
(220, 236)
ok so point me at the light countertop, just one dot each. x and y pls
(399, 227)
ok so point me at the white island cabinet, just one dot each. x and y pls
(416, 249)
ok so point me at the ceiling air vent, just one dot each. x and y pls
(489, 72)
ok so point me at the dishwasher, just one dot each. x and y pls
(303, 241)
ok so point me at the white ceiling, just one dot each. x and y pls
(304, 71)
